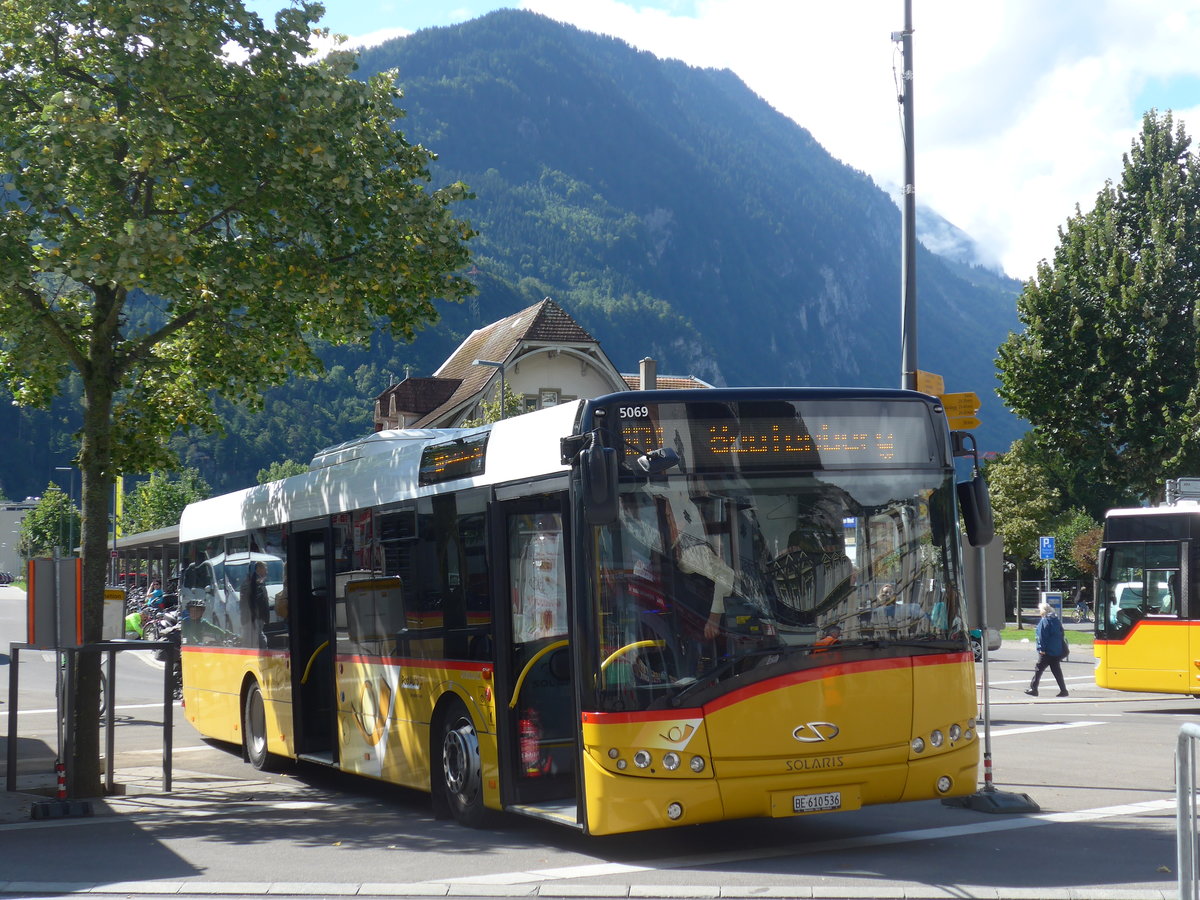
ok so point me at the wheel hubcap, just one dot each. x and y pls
(460, 760)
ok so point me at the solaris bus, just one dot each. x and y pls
(650, 609)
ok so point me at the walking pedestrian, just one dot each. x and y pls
(1051, 649)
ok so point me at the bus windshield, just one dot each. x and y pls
(1140, 579)
(708, 582)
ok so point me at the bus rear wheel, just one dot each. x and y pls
(462, 776)
(254, 728)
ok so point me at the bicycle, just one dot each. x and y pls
(1083, 612)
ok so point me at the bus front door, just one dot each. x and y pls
(539, 731)
(311, 599)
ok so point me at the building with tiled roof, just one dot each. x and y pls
(540, 354)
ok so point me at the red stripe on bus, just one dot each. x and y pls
(1149, 623)
(632, 718)
(834, 671)
(232, 651)
(777, 683)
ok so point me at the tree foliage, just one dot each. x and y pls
(159, 501)
(183, 152)
(1071, 558)
(1085, 551)
(52, 525)
(493, 411)
(1106, 369)
(281, 469)
(1024, 502)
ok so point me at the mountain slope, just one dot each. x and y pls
(669, 209)
(612, 177)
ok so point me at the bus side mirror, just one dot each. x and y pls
(976, 510)
(1102, 563)
(598, 475)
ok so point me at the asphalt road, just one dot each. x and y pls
(1099, 765)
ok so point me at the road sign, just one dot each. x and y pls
(962, 404)
(963, 423)
(928, 383)
(1046, 547)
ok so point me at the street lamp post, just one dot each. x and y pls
(71, 512)
(503, 390)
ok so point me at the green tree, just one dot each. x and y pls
(159, 501)
(49, 526)
(1024, 503)
(1106, 370)
(490, 410)
(281, 469)
(184, 150)
(1071, 526)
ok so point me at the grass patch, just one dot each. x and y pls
(1016, 635)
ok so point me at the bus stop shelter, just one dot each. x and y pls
(137, 559)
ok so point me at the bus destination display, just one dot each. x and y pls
(892, 434)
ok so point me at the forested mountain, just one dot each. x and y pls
(669, 209)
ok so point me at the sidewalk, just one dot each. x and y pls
(39, 791)
(198, 795)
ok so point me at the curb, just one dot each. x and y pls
(574, 890)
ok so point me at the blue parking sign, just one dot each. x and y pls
(1046, 547)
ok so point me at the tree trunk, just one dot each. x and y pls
(95, 465)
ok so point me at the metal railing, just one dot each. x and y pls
(1185, 809)
(65, 702)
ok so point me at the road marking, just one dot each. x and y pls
(1087, 678)
(854, 843)
(1049, 726)
(52, 710)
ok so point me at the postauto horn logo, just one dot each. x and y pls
(815, 732)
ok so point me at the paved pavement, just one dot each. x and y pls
(197, 796)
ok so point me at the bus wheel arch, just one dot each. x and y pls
(457, 769)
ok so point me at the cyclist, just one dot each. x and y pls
(1082, 607)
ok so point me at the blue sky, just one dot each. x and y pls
(1023, 107)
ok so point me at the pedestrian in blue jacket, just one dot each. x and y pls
(1051, 648)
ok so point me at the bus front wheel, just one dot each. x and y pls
(462, 778)
(254, 728)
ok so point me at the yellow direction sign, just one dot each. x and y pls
(963, 423)
(928, 383)
(962, 404)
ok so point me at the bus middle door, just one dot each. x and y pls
(311, 599)
(539, 731)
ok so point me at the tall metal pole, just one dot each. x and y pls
(908, 256)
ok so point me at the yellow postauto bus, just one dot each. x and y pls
(644, 610)
(1147, 634)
